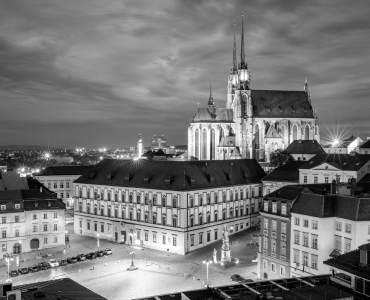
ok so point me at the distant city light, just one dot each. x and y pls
(37, 170)
(104, 149)
(101, 157)
(335, 142)
(47, 155)
(22, 170)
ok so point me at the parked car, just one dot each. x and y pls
(63, 262)
(81, 257)
(23, 271)
(53, 263)
(91, 255)
(99, 253)
(71, 260)
(108, 251)
(44, 265)
(13, 273)
(34, 269)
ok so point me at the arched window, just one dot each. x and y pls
(146, 199)
(231, 212)
(191, 221)
(174, 221)
(200, 200)
(208, 199)
(295, 129)
(223, 197)
(231, 131)
(131, 197)
(155, 199)
(307, 132)
(191, 201)
(213, 145)
(196, 144)
(138, 198)
(174, 202)
(215, 195)
(208, 217)
(204, 144)
(164, 200)
(231, 195)
(200, 219)
(216, 216)
(17, 248)
(221, 134)
(243, 106)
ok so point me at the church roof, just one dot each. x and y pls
(227, 141)
(305, 147)
(281, 104)
(212, 114)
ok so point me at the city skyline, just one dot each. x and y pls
(80, 74)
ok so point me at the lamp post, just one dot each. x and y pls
(132, 253)
(97, 240)
(231, 231)
(8, 258)
(207, 262)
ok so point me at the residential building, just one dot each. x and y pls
(345, 146)
(304, 149)
(158, 142)
(59, 179)
(253, 123)
(287, 174)
(167, 205)
(352, 270)
(340, 167)
(31, 220)
(364, 148)
(326, 225)
(274, 256)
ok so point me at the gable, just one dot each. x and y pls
(327, 166)
(272, 133)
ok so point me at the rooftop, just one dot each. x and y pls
(365, 144)
(288, 172)
(174, 175)
(212, 114)
(64, 170)
(305, 147)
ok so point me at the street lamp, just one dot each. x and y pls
(132, 253)
(8, 258)
(207, 262)
(97, 240)
(231, 231)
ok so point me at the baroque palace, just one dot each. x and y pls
(167, 205)
(254, 122)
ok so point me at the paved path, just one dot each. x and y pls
(159, 272)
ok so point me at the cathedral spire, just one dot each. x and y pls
(306, 87)
(243, 65)
(211, 103)
(235, 65)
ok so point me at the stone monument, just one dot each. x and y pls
(225, 249)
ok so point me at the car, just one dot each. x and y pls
(63, 262)
(53, 263)
(108, 251)
(13, 273)
(34, 269)
(23, 271)
(81, 257)
(44, 265)
(99, 253)
(72, 260)
(91, 255)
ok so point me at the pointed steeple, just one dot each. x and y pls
(235, 64)
(210, 99)
(243, 65)
(306, 87)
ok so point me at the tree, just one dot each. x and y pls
(280, 157)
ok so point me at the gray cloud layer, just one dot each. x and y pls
(96, 73)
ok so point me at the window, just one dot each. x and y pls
(17, 206)
(200, 238)
(200, 200)
(146, 236)
(174, 202)
(231, 212)
(130, 198)
(274, 225)
(215, 234)
(241, 211)
(273, 246)
(200, 219)
(45, 240)
(163, 239)
(216, 217)
(223, 197)
(347, 245)
(138, 216)
(314, 261)
(61, 185)
(67, 184)
(154, 199)
(154, 219)
(3, 220)
(338, 226)
(191, 201)
(265, 243)
(338, 243)
(67, 195)
(49, 185)
(192, 240)
(208, 236)
(154, 237)
(174, 221)
(17, 233)
(55, 215)
(305, 223)
(95, 226)
(282, 271)
(45, 216)
(296, 237)
(164, 200)
(296, 221)
(305, 179)
(273, 267)
(208, 199)
(223, 215)
(55, 185)
(231, 195)
(174, 241)
(34, 228)
(110, 231)
(215, 196)
(102, 227)
(88, 225)
(265, 224)
(3, 207)
(265, 264)
(326, 178)
(274, 207)
(314, 224)
(305, 239)
(266, 206)
(163, 220)
(314, 242)
(315, 180)
(55, 227)
(55, 239)
(116, 197)
(283, 228)
(241, 194)
(283, 209)
(138, 198)
(283, 249)
(45, 227)
(348, 228)
(305, 258)
(296, 256)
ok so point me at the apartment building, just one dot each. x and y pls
(59, 179)
(325, 226)
(167, 205)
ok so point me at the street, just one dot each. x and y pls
(158, 272)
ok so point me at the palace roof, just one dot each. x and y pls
(288, 172)
(345, 162)
(174, 175)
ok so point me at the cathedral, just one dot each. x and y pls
(254, 122)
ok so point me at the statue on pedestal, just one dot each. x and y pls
(225, 249)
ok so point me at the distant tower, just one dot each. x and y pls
(211, 103)
(140, 146)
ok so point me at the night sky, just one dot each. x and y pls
(95, 73)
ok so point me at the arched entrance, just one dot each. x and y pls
(265, 275)
(17, 248)
(35, 244)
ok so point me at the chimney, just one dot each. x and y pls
(300, 141)
(333, 187)
(40, 189)
(353, 186)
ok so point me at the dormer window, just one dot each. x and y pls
(274, 207)
(17, 206)
(292, 108)
(268, 109)
(3, 207)
(49, 203)
(280, 109)
(304, 109)
(36, 204)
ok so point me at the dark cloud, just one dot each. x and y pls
(96, 73)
